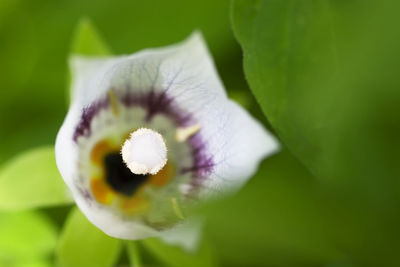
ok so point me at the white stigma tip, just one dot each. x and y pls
(184, 133)
(144, 152)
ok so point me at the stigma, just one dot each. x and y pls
(144, 152)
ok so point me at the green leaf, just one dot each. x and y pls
(81, 244)
(176, 256)
(32, 180)
(25, 237)
(288, 48)
(340, 264)
(87, 41)
(273, 221)
(317, 87)
(325, 75)
(33, 263)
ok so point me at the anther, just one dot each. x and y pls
(184, 133)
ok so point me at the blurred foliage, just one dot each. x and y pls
(84, 245)
(87, 41)
(326, 75)
(22, 180)
(27, 239)
(273, 221)
(176, 256)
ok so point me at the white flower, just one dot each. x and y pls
(148, 134)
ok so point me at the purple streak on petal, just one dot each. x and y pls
(157, 103)
(88, 113)
(202, 162)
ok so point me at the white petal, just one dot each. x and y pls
(191, 78)
(185, 235)
(178, 68)
(238, 143)
(112, 224)
(66, 150)
(66, 157)
(186, 71)
(88, 74)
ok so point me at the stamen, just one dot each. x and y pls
(176, 208)
(183, 134)
(114, 102)
(144, 152)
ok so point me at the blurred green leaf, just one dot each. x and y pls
(288, 47)
(87, 41)
(7, 7)
(32, 180)
(242, 97)
(340, 264)
(325, 74)
(273, 221)
(81, 244)
(133, 254)
(33, 263)
(25, 238)
(176, 256)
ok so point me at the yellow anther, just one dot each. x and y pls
(113, 102)
(184, 133)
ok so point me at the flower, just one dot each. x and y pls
(151, 133)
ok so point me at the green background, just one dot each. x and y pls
(324, 73)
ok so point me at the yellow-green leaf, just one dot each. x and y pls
(32, 180)
(27, 238)
(87, 41)
(176, 256)
(83, 245)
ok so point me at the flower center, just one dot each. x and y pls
(119, 177)
(144, 152)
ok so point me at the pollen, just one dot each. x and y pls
(144, 152)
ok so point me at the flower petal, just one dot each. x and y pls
(238, 144)
(186, 235)
(172, 67)
(88, 75)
